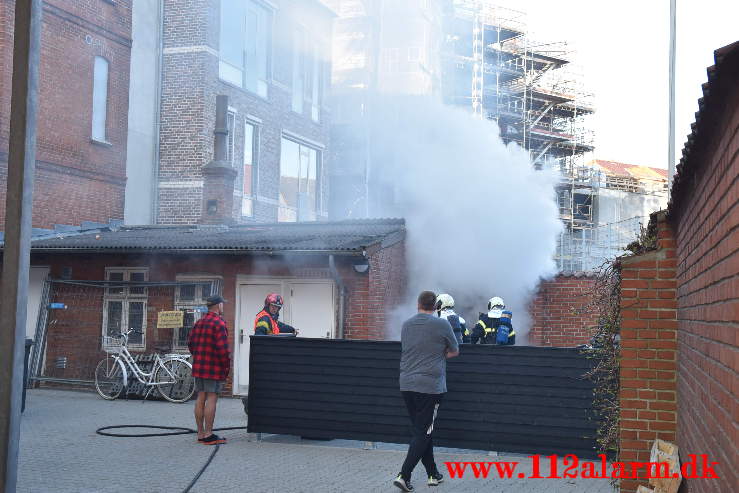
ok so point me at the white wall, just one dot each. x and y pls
(141, 161)
(613, 206)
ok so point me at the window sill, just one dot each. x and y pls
(103, 143)
(244, 90)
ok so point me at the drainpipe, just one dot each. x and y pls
(342, 293)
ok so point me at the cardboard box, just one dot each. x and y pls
(666, 452)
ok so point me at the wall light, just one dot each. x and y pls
(361, 266)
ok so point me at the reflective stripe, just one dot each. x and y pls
(431, 426)
(262, 323)
(513, 333)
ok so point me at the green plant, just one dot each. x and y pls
(604, 350)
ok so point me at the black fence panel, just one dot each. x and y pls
(517, 399)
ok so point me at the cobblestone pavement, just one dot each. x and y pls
(60, 452)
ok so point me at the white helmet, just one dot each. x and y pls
(496, 302)
(444, 301)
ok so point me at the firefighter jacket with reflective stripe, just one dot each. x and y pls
(486, 327)
(265, 325)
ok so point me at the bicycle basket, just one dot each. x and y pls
(112, 345)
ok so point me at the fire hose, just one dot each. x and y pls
(177, 430)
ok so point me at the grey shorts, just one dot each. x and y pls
(208, 385)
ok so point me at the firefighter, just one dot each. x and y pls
(485, 330)
(267, 322)
(445, 309)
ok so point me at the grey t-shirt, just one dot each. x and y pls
(424, 341)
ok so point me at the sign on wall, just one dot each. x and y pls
(170, 320)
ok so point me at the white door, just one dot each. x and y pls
(309, 307)
(250, 302)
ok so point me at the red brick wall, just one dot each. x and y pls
(648, 352)
(705, 222)
(559, 312)
(76, 180)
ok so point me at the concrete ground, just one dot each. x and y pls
(60, 452)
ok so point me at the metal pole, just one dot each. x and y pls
(16, 256)
(671, 132)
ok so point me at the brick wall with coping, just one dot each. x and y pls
(648, 400)
(705, 218)
(560, 313)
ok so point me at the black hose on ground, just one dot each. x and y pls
(177, 430)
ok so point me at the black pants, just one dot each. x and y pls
(422, 409)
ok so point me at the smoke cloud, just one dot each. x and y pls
(481, 221)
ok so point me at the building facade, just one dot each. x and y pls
(338, 279)
(271, 59)
(82, 125)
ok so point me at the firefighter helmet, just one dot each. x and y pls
(497, 303)
(273, 299)
(444, 301)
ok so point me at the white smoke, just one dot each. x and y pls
(481, 221)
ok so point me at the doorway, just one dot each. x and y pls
(309, 307)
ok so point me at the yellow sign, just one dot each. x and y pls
(170, 320)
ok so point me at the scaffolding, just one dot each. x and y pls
(530, 89)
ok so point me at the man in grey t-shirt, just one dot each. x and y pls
(426, 341)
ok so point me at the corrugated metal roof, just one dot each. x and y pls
(307, 237)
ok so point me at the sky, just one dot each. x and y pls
(621, 48)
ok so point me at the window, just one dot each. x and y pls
(99, 99)
(307, 75)
(245, 44)
(251, 136)
(299, 186)
(124, 305)
(190, 298)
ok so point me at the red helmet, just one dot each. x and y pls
(273, 299)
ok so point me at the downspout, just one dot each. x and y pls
(342, 293)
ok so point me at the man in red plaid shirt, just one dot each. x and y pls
(211, 361)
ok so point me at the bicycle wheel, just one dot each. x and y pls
(175, 381)
(109, 378)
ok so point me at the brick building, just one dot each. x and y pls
(82, 109)
(680, 303)
(339, 280)
(271, 58)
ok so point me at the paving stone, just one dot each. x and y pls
(60, 452)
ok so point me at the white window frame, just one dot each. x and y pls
(196, 304)
(239, 75)
(292, 214)
(99, 124)
(126, 297)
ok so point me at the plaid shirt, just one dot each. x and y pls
(208, 344)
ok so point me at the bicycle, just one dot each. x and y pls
(171, 375)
